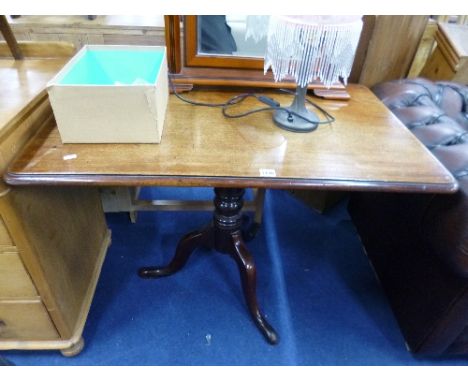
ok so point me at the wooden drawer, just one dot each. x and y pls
(5, 238)
(14, 280)
(25, 320)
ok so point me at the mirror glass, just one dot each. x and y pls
(232, 35)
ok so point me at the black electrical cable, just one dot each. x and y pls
(196, 103)
(263, 99)
(273, 105)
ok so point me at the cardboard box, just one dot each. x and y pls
(111, 94)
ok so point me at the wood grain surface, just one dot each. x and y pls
(392, 48)
(21, 82)
(365, 148)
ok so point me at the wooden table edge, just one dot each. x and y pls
(23, 179)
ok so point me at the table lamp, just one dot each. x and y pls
(309, 48)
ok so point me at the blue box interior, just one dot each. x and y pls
(115, 67)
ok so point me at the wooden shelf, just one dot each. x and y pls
(133, 30)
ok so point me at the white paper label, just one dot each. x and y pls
(268, 172)
(70, 156)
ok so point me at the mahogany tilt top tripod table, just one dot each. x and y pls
(225, 236)
(366, 148)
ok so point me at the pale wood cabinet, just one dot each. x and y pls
(52, 239)
(449, 60)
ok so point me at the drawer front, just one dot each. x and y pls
(5, 238)
(14, 280)
(25, 320)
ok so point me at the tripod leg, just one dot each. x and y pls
(184, 249)
(248, 275)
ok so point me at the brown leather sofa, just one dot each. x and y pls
(418, 244)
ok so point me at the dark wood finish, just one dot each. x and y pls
(172, 34)
(225, 236)
(332, 94)
(10, 38)
(365, 148)
(173, 42)
(237, 77)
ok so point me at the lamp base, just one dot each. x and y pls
(294, 123)
(289, 118)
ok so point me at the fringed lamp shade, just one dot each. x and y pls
(308, 48)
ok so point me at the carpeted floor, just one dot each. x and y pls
(315, 286)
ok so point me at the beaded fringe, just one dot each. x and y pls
(311, 52)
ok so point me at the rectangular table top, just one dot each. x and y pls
(366, 148)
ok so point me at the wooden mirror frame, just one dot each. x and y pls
(182, 54)
(188, 68)
(194, 58)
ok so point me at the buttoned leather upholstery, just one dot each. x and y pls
(418, 244)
